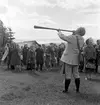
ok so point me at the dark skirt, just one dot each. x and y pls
(15, 58)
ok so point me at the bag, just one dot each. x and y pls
(80, 55)
(90, 65)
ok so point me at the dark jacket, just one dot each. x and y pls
(15, 58)
(39, 55)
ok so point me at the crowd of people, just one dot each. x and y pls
(46, 57)
(32, 58)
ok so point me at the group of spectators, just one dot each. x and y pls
(32, 58)
(91, 57)
(46, 57)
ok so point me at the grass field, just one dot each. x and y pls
(45, 88)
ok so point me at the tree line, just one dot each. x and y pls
(6, 34)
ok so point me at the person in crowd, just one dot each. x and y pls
(82, 61)
(97, 55)
(59, 54)
(24, 52)
(70, 56)
(22, 48)
(62, 47)
(31, 59)
(1, 54)
(21, 55)
(90, 57)
(15, 60)
(47, 58)
(39, 58)
(8, 56)
(44, 50)
(53, 58)
(56, 55)
(4, 58)
(19, 67)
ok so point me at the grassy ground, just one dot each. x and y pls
(45, 88)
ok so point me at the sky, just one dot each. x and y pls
(22, 15)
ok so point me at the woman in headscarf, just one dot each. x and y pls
(15, 57)
(24, 52)
(30, 59)
(90, 57)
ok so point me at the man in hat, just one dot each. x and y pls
(70, 56)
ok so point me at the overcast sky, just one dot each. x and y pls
(22, 15)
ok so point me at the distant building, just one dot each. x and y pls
(29, 43)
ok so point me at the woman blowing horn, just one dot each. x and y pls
(70, 56)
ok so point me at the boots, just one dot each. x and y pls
(67, 82)
(77, 83)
